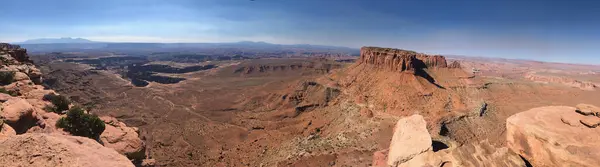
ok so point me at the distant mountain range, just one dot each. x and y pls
(56, 40)
(80, 44)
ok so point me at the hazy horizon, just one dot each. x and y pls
(555, 31)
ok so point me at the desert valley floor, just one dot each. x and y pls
(318, 111)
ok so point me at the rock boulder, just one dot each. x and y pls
(554, 136)
(38, 149)
(16, 109)
(19, 76)
(6, 131)
(399, 60)
(587, 109)
(410, 139)
(123, 139)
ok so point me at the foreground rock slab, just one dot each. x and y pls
(410, 139)
(550, 136)
(123, 139)
(6, 131)
(39, 149)
(588, 109)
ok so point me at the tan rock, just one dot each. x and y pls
(20, 76)
(472, 155)
(541, 136)
(22, 87)
(5, 97)
(590, 121)
(6, 131)
(39, 149)
(49, 119)
(410, 139)
(38, 103)
(38, 93)
(16, 109)
(587, 109)
(123, 139)
(24, 68)
(483, 154)
(429, 159)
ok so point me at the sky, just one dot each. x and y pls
(547, 30)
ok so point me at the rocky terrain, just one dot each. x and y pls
(326, 112)
(584, 85)
(544, 136)
(30, 134)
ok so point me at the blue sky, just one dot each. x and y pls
(548, 30)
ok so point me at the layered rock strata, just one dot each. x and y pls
(400, 60)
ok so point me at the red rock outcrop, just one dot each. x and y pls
(6, 131)
(555, 136)
(412, 145)
(16, 52)
(399, 60)
(28, 132)
(436, 61)
(38, 149)
(454, 64)
(123, 139)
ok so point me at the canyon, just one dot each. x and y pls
(387, 107)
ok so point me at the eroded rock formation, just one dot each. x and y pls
(16, 52)
(28, 133)
(412, 145)
(554, 136)
(454, 64)
(400, 60)
(123, 139)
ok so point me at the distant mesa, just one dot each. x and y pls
(56, 41)
(400, 60)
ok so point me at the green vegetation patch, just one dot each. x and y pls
(79, 123)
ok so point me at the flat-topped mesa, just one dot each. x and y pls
(400, 60)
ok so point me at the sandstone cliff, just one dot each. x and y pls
(400, 60)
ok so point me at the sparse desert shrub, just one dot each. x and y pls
(59, 103)
(79, 123)
(7, 77)
(10, 92)
(50, 108)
